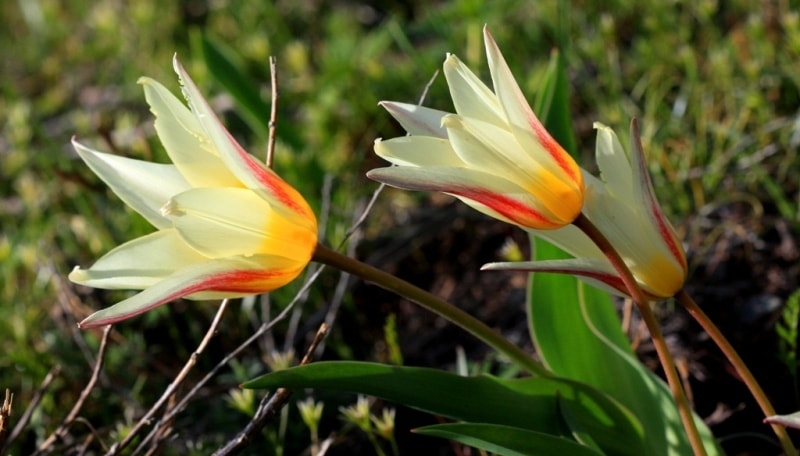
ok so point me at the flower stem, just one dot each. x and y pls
(741, 368)
(434, 304)
(664, 356)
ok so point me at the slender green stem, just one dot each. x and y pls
(664, 356)
(434, 304)
(741, 368)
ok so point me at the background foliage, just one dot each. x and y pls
(715, 85)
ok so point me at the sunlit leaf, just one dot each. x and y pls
(578, 335)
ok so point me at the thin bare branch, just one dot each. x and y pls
(273, 115)
(5, 418)
(380, 188)
(61, 430)
(212, 329)
(37, 397)
(265, 327)
(269, 408)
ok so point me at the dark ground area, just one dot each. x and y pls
(744, 265)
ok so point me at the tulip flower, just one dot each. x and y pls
(623, 207)
(228, 226)
(493, 154)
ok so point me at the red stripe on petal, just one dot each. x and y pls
(646, 185)
(282, 191)
(509, 208)
(236, 281)
(554, 149)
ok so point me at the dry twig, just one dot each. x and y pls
(5, 418)
(267, 409)
(175, 383)
(273, 115)
(61, 430)
(26, 415)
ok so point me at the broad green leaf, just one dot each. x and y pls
(506, 440)
(574, 421)
(577, 333)
(529, 403)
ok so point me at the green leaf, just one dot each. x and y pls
(574, 421)
(506, 440)
(529, 403)
(578, 335)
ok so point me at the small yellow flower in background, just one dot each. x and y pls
(358, 414)
(384, 426)
(228, 226)
(493, 154)
(311, 413)
(623, 206)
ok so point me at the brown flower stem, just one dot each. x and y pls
(741, 368)
(664, 356)
(434, 304)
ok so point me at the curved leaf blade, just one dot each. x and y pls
(529, 403)
(506, 440)
(578, 335)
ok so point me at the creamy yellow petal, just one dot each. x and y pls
(612, 161)
(494, 150)
(143, 186)
(251, 172)
(227, 277)
(224, 222)
(524, 124)
(417, 120)
(187, 145)
(139, 263)
(418, 151)
(503, 199)
(470, 95)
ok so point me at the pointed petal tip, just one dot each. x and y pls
(87, 323)
(77, 275)
(176, 64)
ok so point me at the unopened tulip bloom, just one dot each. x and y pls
(228, 226)
(493, 154)
(622, 205)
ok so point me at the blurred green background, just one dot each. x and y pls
(716, 86)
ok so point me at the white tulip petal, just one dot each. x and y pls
(612, 161)
(597, 273)
(515, 106)
(143, 186)
(417, 120)
(648, 201)
(470, 95)
(221, 222)
(184, 139)
(572, 240)
(485, 146)
(504, 199)
(251, 172)
(227, 277)
(418, 151)
(139, 263)
(523, 123)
